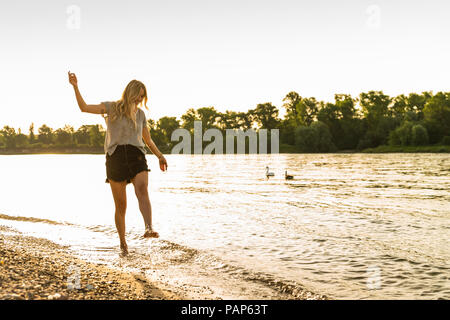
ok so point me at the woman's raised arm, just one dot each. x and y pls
(90, 108)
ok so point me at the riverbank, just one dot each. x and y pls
(37, 269)
(408, 149)
(284, 148)
(381, 149)
(52, 150)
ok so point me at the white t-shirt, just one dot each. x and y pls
(122, 131)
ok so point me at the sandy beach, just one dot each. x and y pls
(36, 269)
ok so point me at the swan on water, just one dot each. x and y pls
(269, 174)
(288, 177)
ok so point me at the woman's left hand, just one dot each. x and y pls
(163, 163)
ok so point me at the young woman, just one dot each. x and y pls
(125, 153)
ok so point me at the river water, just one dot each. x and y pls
(348, 226)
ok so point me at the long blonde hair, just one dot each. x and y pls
(123, 107)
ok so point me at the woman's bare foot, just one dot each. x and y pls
(123, 250)
(151, 234)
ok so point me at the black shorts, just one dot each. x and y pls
(125, 163)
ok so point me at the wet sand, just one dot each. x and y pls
(36, 269)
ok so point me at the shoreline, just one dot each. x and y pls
(38, 269)
(290, 150)
(53, 150)
(34, 268)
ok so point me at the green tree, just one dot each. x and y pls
(81, 136)
(287, 130)
(151, 125)
(228, 120)
(377, 118)
(209, 117)
(402, 135)
(324, 140)
(96, 135)
(378, 135)
(409, 107)
(31, 136)
(419, 135)
(330, 115)
(437, 116)
(446, 140)
(350, 125)
(9, 136)
(340, 118)
(417, 102)
(291, 100)
(352, 130)
(167, 125)
(164, 129)
(346, 106)
(314, 138)
(374, 106)
(188, 118)
(21, 139)
(266, 116)
(246, 119)
(305, 139)
(45, 134)
(64, 136)
(398, 107)
(307, 110)
(156, 134)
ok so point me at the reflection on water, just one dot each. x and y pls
(347, 226)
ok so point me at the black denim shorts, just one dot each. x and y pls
(125, 163)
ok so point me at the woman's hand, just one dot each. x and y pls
(73, 79)
(162, 163)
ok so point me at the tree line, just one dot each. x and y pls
(367, 121)
(85, 136)
(371, 120)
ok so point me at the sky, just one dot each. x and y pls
(230, 54)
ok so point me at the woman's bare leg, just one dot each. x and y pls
(140, 183)
(120, 200)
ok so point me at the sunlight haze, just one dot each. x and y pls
(228, 54)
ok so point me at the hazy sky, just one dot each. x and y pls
(229, 54)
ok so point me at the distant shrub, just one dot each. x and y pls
(325, 141)
(82, 145)
(371, 139)
(284, 148)
(402, 135)
(314, 138)
(65, 145)
(419, 135)
(394, 139)
(446, 140)
(37, 145)
(305, 139)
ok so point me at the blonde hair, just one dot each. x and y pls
(123, 107)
